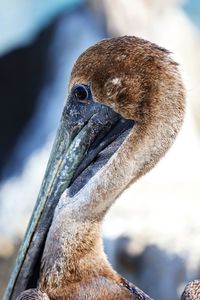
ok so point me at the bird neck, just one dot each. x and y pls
(73, 254)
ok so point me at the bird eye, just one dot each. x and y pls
(81, 93)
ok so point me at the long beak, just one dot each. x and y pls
(80, 124)
(66, 155)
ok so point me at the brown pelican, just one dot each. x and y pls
(124, 109)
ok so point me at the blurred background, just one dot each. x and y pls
(152, 233)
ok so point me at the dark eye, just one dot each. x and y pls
(81, 93)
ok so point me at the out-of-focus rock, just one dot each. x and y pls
(152, 265)
(22, 20)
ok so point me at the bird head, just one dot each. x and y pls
(140, 82)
